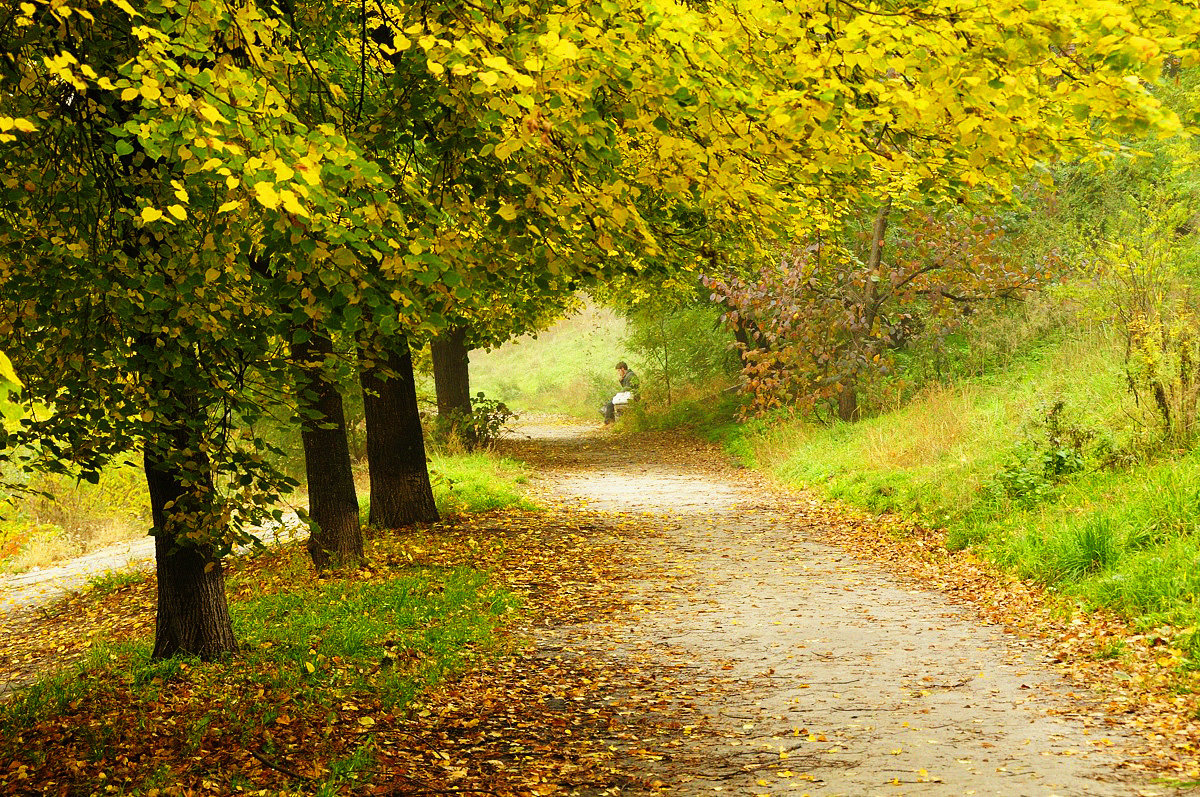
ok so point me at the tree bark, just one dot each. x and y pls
(451, 373)
(336, 538)
(848, 409)
(193, 616)
(401, 493)
(848, 402)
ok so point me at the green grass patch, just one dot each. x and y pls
(116, 580)
(477, 482)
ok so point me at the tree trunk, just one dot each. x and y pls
(193, 616)
(400, 490)
(848, 396)
(848, 401)
(336, 538)
(452, 377)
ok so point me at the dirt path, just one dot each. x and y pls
(810, 671)
(41, 586)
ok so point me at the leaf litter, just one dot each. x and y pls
(626, 672)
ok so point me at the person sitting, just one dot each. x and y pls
(628, 385)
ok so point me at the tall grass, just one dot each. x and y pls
(72, 517)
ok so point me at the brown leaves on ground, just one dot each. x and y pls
(537, 720)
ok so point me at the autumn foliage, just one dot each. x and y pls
(820, 322)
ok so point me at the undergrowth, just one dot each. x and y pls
(67, 517)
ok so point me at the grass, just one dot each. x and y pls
(323, 662)
(115, 580)
(477, 482)
(465, 483)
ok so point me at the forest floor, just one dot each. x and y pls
(692, 629)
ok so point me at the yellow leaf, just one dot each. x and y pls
(308, 665)
(566, 50)
(126, 7)
(507, 212)
(151, 214)
(129, 94)
(265, 193)
(6, 371)
(230, 205)
(177, 211)
(291, 204)
(210, 113)
(366, 721)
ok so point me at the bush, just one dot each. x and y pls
(1057, 451)
(481, 428)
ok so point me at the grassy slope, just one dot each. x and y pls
(1120, 536)
(567, 369)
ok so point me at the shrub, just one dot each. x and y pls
(480, 428)
(1054, 451)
